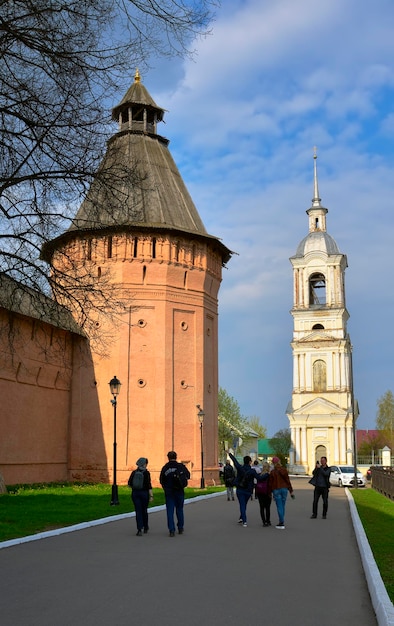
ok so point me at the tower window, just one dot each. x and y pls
(109, 248)
(153, 247)
(319, 376)
(135, 247)
(317, 289)
(89, 250)
(318, 327)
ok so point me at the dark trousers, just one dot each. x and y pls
(265, 507)
(174, 502)
(140, 499)
(323, 492)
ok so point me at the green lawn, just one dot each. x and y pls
(29, 509)
(377, 517)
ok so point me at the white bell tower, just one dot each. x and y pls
(321, 407)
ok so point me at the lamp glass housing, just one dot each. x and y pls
(114, 386)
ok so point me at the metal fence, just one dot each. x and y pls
(382, 480)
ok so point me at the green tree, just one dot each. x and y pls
(281, 443)
(254, 424)
(232, 425)
(385, 416)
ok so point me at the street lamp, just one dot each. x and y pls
(114, 386)
(201, 416)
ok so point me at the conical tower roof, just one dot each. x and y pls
(138, 184)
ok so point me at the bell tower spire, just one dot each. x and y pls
(317, 213)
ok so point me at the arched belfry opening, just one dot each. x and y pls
(317, 289)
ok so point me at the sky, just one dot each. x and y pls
(273, 80)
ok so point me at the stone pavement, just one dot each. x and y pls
(217, 573)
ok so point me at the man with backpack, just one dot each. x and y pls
(229, 479)
(173, 479)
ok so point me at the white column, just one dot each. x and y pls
(337, 372)
(304, 450)
(344, 372)
(302, 371)
(336, 446)
(296, 372)
(297, 444)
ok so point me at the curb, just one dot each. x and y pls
(381, 602)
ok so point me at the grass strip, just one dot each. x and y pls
(30, 509)
(376, 514)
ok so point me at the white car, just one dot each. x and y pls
(343, 476)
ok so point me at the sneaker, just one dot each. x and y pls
(280, 526)
(139, 533)
(313, 516)
(146, 531)
(244, 524)
(324, 516)
(180, 531)
(232, 499)
(240, 521)
(172, 533)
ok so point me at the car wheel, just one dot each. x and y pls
(339, 482)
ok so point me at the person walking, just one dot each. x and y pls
(321, 482)
(174, 491)
(257, 469)
(244, 485)
(263, 494)
(141, 494)
(229, 479)
(280, 485)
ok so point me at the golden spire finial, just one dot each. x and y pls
(137, 76)
(315, 199)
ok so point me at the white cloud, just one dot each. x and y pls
(275, 79)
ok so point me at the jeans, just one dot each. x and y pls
(323, 492)
(280, 496)
(140, 499)
(230, 492)
(174, 501)
(243, 497)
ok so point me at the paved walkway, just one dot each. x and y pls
(217, 573)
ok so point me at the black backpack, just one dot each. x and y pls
(244, 480)
(179, 478)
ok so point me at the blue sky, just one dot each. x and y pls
(273, 80)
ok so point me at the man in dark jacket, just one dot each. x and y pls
(321, 482)
(173, 492)
(244, 484)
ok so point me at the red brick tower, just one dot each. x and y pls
(141, 234)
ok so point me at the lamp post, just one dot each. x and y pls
(114, 386)
(201, 416)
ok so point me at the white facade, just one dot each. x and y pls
(320, 412)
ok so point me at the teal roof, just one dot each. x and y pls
(264, 448)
